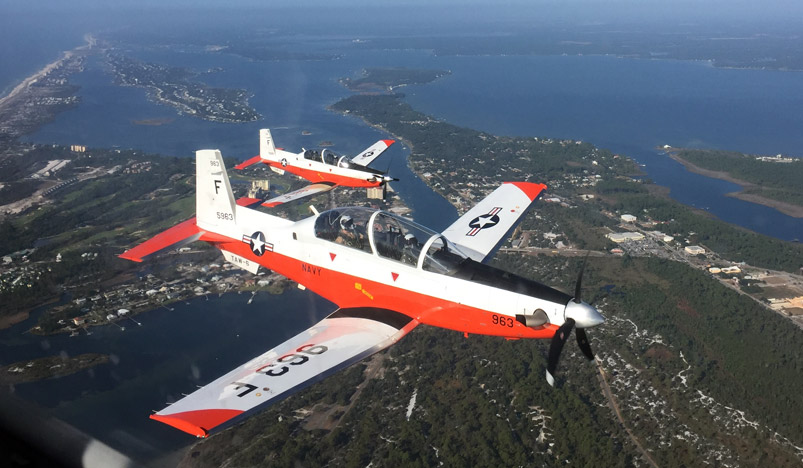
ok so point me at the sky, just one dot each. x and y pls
(581, 10)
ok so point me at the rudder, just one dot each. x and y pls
(267, 150)
(214, 201)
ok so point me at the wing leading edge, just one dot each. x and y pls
(481, 231)
(341, 339)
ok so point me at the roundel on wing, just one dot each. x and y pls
(284, 162)
(484, 221)
(258, 243)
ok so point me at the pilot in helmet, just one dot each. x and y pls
(347, 235)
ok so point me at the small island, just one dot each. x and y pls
(379, 80)
(49, 367)
(173, 86)
(153, 122)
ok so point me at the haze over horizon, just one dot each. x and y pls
(569, 11)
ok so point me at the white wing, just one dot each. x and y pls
(343, 338)
(307, 191)
(483, 228)
(372, 152)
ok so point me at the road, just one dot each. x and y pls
(606, 390)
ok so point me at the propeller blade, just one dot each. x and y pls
(579, 286)
(555, 348)
(582, 341)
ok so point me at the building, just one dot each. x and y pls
(620, 237)
(734, 270)
(257, 187)
(628, 218)
(376, 193)
(694, 250)
(78, 148)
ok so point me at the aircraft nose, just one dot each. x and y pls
(584, 315)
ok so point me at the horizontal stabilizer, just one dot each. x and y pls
(247, 163)
(176, 236)
(248, 202)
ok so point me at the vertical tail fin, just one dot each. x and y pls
(214, 201)
(267, 150)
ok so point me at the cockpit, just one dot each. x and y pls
(389, 236)
(329, 157)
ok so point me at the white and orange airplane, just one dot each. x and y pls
(323, 167)
(387, 275)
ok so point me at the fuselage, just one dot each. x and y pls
(325, 166)
(438, 287)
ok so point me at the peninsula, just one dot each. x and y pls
(49, 367)
(773, 181)
(39, 97)
(174, 86)
(386, 80)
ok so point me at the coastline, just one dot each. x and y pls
(788, 209)
(44, 71)
(65, 55)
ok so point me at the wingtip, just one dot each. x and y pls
(531, 189)
(197, 422)
(181, 425)
(126, 256)
(389, 142)
(248, 162)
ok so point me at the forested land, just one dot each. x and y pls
(781, 181)
(388, 78)
(483, 401)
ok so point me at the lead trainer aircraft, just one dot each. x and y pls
(387, 275)
(323, 167)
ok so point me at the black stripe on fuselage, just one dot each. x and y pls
(481, 273)
(388, 317)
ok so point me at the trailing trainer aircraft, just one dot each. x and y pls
(387, 275)
(323, 167)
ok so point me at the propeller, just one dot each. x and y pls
(381, 178)
(579, 314)
(385, 177)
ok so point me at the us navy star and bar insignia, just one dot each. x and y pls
(258, 244)
(485, 221)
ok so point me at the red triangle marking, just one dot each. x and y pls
(333, 256)
(395, 276)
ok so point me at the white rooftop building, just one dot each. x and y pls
(620, 237)
(694, 250)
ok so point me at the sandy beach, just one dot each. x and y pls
(66, 55)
